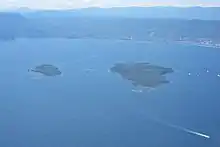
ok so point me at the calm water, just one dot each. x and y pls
(99, 109)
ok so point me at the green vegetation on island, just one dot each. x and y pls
(142, 74)
(47, 70)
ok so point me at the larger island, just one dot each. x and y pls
(142, 73)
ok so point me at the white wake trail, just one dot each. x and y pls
(197, 133)
(189, 131)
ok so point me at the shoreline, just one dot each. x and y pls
(197, 44)
(191, 43)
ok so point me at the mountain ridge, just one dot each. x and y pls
(203, 13)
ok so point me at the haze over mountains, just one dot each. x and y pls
(141, 23)
(205, 13)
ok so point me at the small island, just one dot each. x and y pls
(142, 74)
(46, 69)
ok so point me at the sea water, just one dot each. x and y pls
(88, 106)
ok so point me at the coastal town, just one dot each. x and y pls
(205, 42)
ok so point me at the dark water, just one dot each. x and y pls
(95, 108)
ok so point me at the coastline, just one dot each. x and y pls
(197, 44)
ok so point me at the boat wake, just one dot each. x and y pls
(189, 131)
(179, 128)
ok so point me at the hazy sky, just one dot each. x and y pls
(102, 3)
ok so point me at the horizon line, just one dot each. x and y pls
(98, 7)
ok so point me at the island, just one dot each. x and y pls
(46, 69)
(142, 74)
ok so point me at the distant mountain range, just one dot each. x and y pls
(204, 13)
(113, 23)
(11, 25)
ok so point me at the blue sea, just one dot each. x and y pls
(97, 108)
